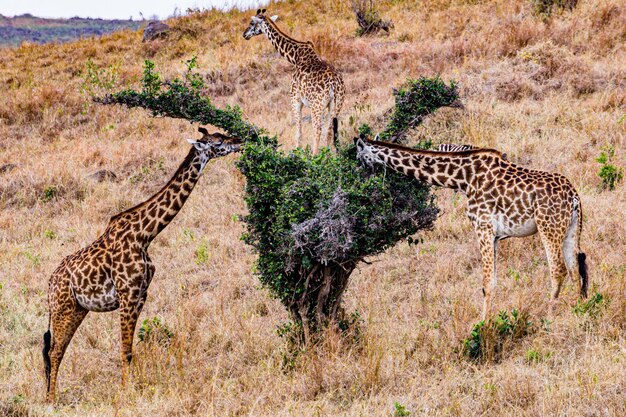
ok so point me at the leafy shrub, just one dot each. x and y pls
(591, 308)
(49, 193)
(610, 174)
(534, 355)
(414, 100)
(50, 234)
(202, 254)
(311, 218)
(400, 410)
(367, 18)
(489, 339)
(154, 330)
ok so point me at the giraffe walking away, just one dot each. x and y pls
(115, 270)
(503, 200)
(315, 83)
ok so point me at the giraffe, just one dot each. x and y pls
(315, 83)
(503, 200)
(115, 270)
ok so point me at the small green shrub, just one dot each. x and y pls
(591, 308)
(489, 339)
(50, 234)
(155, 330)
(610, 174)
(534, 355)
(49, 193)
(400, 410)
(202, 254)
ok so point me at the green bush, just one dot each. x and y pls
(489, 339)
(610, 174)
(311, 218)
(591, 308)
(414, 100)
(154, 330)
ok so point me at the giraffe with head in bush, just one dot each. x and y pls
(114, 272)
(503, 200)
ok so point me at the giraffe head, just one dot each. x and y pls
(257, 24)
(212, 145)
(366, 153)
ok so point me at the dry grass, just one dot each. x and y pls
(548, 93)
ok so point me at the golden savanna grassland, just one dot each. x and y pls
(550, 92)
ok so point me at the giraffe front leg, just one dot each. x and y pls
(488, 253)
(130, 308)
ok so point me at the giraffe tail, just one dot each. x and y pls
(47, 338)
(581, 257)
(335, 132)
(582, 271)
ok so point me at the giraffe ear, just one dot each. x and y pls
(203, 130)
(274, 18)
(258, 11)
(263, 11)
(377, 137)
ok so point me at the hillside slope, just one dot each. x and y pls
(28, 28)
(550, 93)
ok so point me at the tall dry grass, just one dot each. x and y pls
(549, 93)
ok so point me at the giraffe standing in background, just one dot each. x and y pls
(315, 83)
(503, 200)
(115, 270)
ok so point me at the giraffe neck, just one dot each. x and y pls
(294, 51)
(454, 170)
(154, 214)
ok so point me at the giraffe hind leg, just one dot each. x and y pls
(64, 323)
(570, 254)
(553, 244)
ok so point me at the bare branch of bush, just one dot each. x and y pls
(368, 19)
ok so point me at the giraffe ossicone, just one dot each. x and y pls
(114, 271)
(503, 200)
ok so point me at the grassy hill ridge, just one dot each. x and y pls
(28, 28)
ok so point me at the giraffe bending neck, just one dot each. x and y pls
(455, 170)
(158, 211)
(296, 52)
